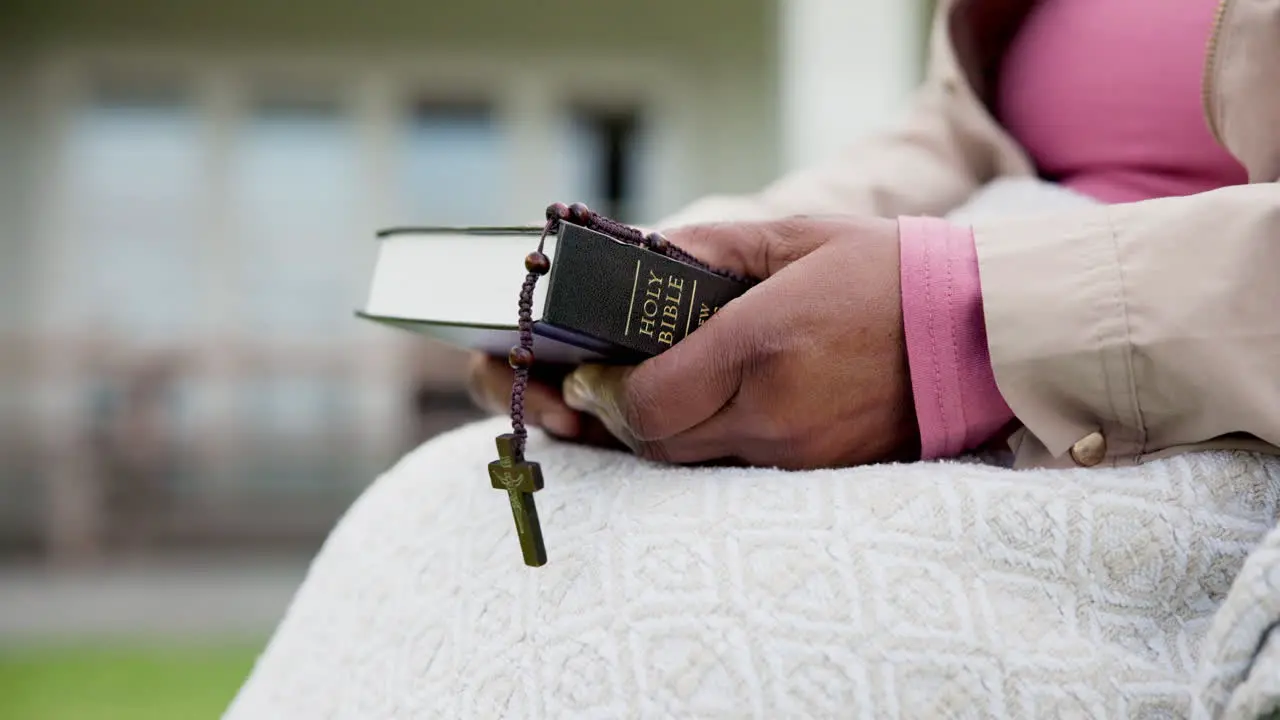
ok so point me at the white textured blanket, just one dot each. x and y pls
(915, 591)
(927, 590)
(1240, 673)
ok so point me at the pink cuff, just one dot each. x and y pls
(958, 405)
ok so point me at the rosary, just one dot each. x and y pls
(511, 472)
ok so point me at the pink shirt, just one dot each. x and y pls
(1105, 97)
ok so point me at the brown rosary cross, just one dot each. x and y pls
(521, 480)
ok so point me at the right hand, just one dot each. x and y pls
(489, 383)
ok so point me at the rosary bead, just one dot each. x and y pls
(579, 213)
(520, 357)
(537, 263)
(657, 241)
(557, 211)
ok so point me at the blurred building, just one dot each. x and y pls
(188, 192)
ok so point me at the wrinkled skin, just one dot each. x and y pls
(808, 369)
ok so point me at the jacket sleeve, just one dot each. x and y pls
(944, 149)
(1155, 324)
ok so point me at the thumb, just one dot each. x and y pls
(671, 392)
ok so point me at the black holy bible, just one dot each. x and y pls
(625, 299)
(604, 300)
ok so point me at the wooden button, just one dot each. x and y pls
(1089, 450)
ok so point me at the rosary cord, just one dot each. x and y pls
(522, 373)
(614, 229)
(521, 357)
(652, 241)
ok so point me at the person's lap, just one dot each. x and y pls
(907, 590)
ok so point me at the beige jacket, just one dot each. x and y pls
(1118, 333)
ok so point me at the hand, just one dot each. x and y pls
(807, 369)
(489, 383)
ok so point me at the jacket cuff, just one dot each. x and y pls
(958, 405)
(1058, 325)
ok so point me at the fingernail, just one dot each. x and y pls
(560, 423)
(577, 390)
(595, 389)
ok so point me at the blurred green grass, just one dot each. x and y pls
(122, 681)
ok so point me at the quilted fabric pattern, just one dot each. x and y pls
(1240, 673)
(930, 590)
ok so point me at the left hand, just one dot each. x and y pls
(807, 369)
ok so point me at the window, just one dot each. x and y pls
(453, 165)
(301, 258)
(132, 165)
(127, 268)
(602, 160)
(300, 272)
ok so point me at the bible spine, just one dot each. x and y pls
(626, 301)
